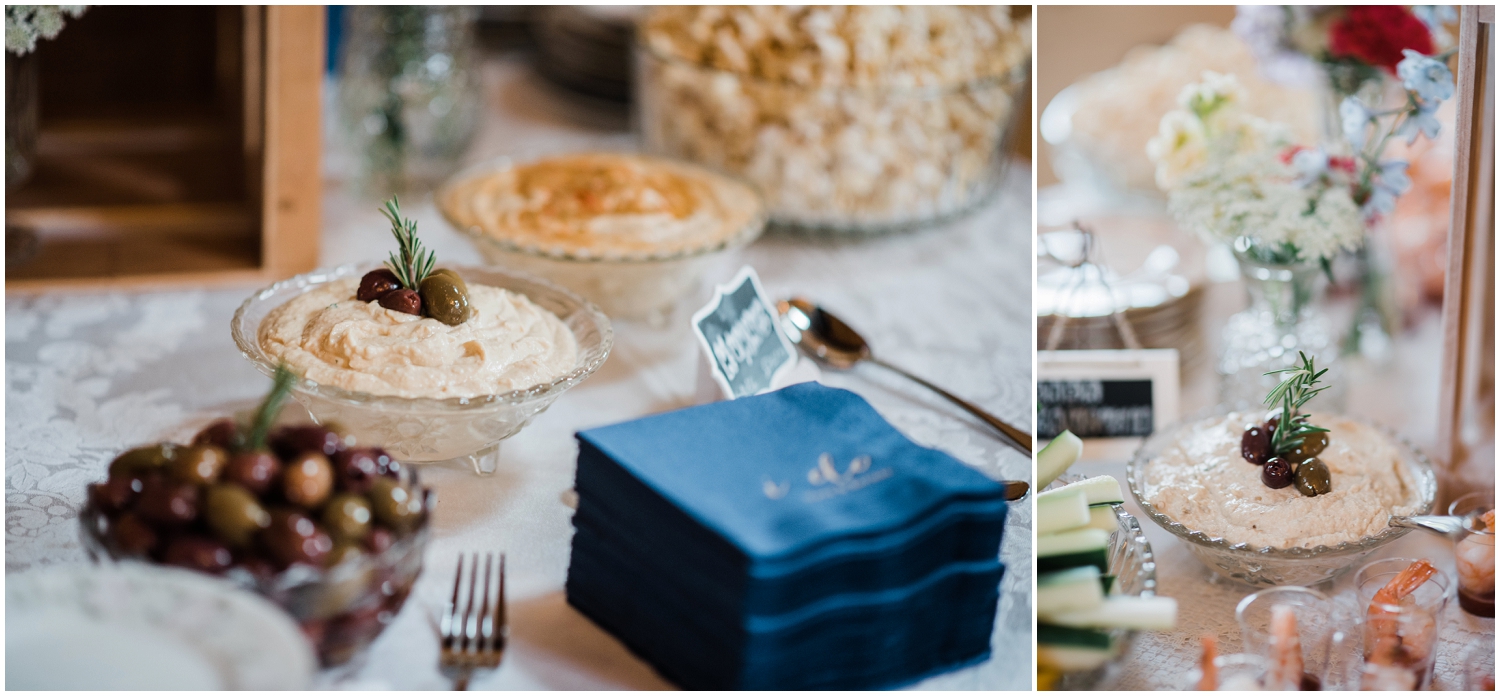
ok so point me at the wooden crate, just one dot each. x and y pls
(177, 146)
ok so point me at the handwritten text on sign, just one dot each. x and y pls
(738, 330)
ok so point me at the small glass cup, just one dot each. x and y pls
(1474, 554)
(1237, 672)
(1414, 621)
(1319, 631)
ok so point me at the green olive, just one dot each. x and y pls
(394, 505)
(307, 480)
(344, 552)
(199, 464)
(1312, 478)
(1312, 446)
(235, 514)
(445, 297)
(347, 518)
(143, 460)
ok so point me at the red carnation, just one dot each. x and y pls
(1376, 34)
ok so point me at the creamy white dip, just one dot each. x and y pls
(330, 337)
(1202, 482)
(603, 204)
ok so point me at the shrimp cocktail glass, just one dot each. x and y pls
(1236, 672)
(1402, 601)
(1297, 630)
(1474, 553)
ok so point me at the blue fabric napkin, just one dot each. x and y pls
(781, 472)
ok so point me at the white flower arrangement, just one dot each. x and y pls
(1236, 178)
(27, 24)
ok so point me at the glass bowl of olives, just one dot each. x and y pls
(1267, 566)
(331, 532)
(467, 430)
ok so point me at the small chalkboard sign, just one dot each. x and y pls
(739, 334)
(1105, 393)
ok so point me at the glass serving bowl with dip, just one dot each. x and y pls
(1266, 566)
(428, 430)
(622, 271)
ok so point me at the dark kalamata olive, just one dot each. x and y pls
(142, 460)
(403, 300)
(1277, 473)
(132, 535)
(307, 480)
(200, 464)
(446, 298)
(1312, 478)
(395, 505)
(256, 471)
(1255, 445)
(259, 567)
(347, 518)
(356, 468)
(167, 501)
(292, 440)
(117, 493)
(294, 538)
(199, 553)
(389, 467)
(234, 514)
(220, 433)
(376, 283)
(1312, 446)
(379, 540)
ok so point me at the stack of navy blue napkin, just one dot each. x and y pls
(791, 540)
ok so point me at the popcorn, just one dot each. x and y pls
(841, 116)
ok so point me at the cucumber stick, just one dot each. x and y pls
(1103, 517)
(1076, 547)
(1074, 589)
(1141, 613)
(1099, 489)
(1059, 513)
(1056, 457)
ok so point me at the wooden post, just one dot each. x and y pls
(291, 208)
(1466, 412)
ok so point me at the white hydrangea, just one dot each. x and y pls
(27, 24)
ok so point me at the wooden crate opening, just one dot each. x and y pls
(176, 144)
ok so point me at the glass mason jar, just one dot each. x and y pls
(20, 117)
(1284, 317)
(408, 96)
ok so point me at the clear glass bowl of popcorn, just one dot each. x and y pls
(884, 151)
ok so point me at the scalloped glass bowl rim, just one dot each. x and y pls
(747, 233)
(250, 346)
(1417, 461)
(1010, 80)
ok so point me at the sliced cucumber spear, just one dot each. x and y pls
(1119, 611)
(1056, 457)
(1059, 513)
(1100, 490)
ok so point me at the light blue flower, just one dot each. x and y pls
(1420, 121)
(1310, 164)
(1356, 120)
(1389, 183)
(1430, 79)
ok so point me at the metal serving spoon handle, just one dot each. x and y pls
(1020, 439)
(1446, 525)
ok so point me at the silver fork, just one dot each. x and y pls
(474, 639)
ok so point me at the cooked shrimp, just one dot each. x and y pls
(1286, 650)
(1385, 638)
(1387, 678)
(1475, 558)
(1208, 679)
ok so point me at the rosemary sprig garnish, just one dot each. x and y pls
(266, 414)
(1294, 391)
(413, 263)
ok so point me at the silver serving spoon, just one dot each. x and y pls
(826, 339)
(1446, 525)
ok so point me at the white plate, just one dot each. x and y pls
(143, 627)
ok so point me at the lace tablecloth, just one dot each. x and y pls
(87, 375)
